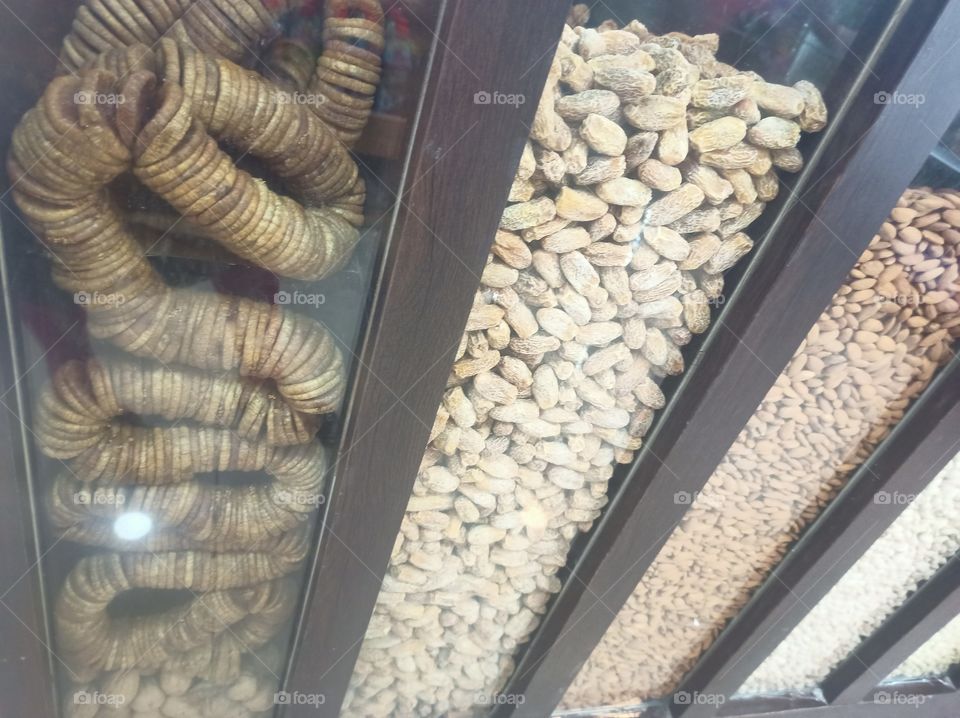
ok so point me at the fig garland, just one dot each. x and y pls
(345, 76)
(239, 381)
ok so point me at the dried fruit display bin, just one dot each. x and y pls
(364, 357)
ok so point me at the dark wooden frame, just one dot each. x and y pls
(861, 168)
(26, 679)
(460, 168)
(936, 705)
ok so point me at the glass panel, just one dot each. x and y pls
(198, 222)
(647, 160)
(934, 658)
(871, 353)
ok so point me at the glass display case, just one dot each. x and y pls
(438, 358)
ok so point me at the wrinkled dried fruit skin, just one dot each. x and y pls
(233, 548)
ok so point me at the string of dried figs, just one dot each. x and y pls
(202, 101)
(647, 160)
(65, 199)
(77, 423)
(180, 95)
(870, 354)
(344, 77)
(242, 600)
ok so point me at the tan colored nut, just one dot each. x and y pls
(659, 176)
(603, 135)
(528, 214)
(576, 108)
(674, 145)
(740, 156)
(667, 243)
(814, 115)
(721, 92)
(774, 133)
(579, 206)
(778, 100)
(718, 135)
(674, 205)
(655, 112)
(730, 251)
(602, 169)
(624, 191)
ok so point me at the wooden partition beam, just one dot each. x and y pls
(460, 168)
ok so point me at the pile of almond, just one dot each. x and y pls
(873, 350)
(647, 160)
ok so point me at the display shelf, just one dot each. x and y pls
(438, 166)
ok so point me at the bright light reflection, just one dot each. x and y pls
(534, 517)
(132, 525)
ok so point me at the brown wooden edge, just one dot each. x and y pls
(460, 169)
(923, 442)
(26, 675)
(863, 165)
(925, 612)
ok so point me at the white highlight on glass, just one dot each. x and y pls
(132, 525)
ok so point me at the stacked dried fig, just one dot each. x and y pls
(875, 348)
(238, 382)
(344, 77)
(647, 161)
